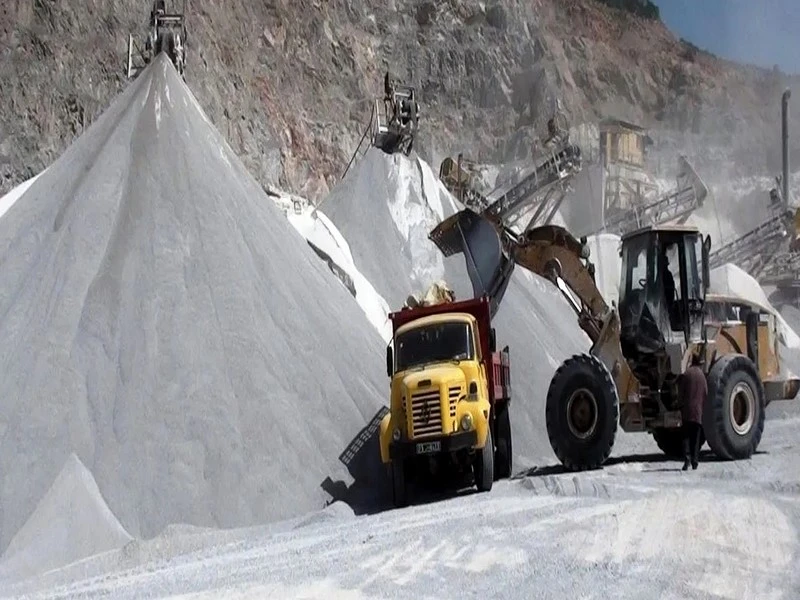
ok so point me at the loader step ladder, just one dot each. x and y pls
(689, 195)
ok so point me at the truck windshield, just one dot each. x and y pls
(433, 343)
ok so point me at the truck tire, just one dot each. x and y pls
(484, 464)
(581, 413)
(502, 456)
(399, 488)
(733, 415)
(670, 441)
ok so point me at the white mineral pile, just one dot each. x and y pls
(8, 200)
(318, 230)
(72, 521)
(385, 208)
(162, 321)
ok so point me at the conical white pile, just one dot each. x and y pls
(161, 319)
(71, 522)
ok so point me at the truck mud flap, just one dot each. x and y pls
(488, 266)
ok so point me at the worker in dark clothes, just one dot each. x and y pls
(693, 390)
(669, 289)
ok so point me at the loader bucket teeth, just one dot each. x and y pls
(488, 267)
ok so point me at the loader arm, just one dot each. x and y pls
(491, 251)
(552, 252)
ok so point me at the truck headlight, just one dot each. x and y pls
(396, 434)
(466, 422)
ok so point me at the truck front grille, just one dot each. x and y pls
(426, 412)
(455, 391)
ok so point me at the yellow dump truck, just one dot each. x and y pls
(450, 392)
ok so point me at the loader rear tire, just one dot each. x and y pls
(502, 457)
(734, 412)
(484, 464)
(399, 488)
(581, 413)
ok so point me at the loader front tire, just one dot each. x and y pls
(581, 413)
(734, 412)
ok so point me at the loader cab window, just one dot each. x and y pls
(640, 295)
(638, 271)
(636, 255)
(688, 314)
(669, 261)
(440, 342)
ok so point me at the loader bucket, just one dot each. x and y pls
(488, 266)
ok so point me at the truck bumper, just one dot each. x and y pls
(446, 443)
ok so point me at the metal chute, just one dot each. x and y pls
(167, 33)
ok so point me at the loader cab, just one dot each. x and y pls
(663, 286)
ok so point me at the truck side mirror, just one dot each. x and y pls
(706, 267)
(492, 340)
(389, 361)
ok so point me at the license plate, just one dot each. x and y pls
(428, 447)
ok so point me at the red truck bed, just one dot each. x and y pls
(497, 363)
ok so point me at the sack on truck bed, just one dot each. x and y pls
(438, 293)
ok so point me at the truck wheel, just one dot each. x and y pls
(399, 489)
(502, 456)
(484, 464)
(670, 441)
(733, 416)
(581, 413)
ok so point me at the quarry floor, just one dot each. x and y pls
(638, 528)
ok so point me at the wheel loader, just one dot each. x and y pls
(640, 348)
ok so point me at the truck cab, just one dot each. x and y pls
(449, 394)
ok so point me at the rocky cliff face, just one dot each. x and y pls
(289, 82)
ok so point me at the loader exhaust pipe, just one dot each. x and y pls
(785, 140)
